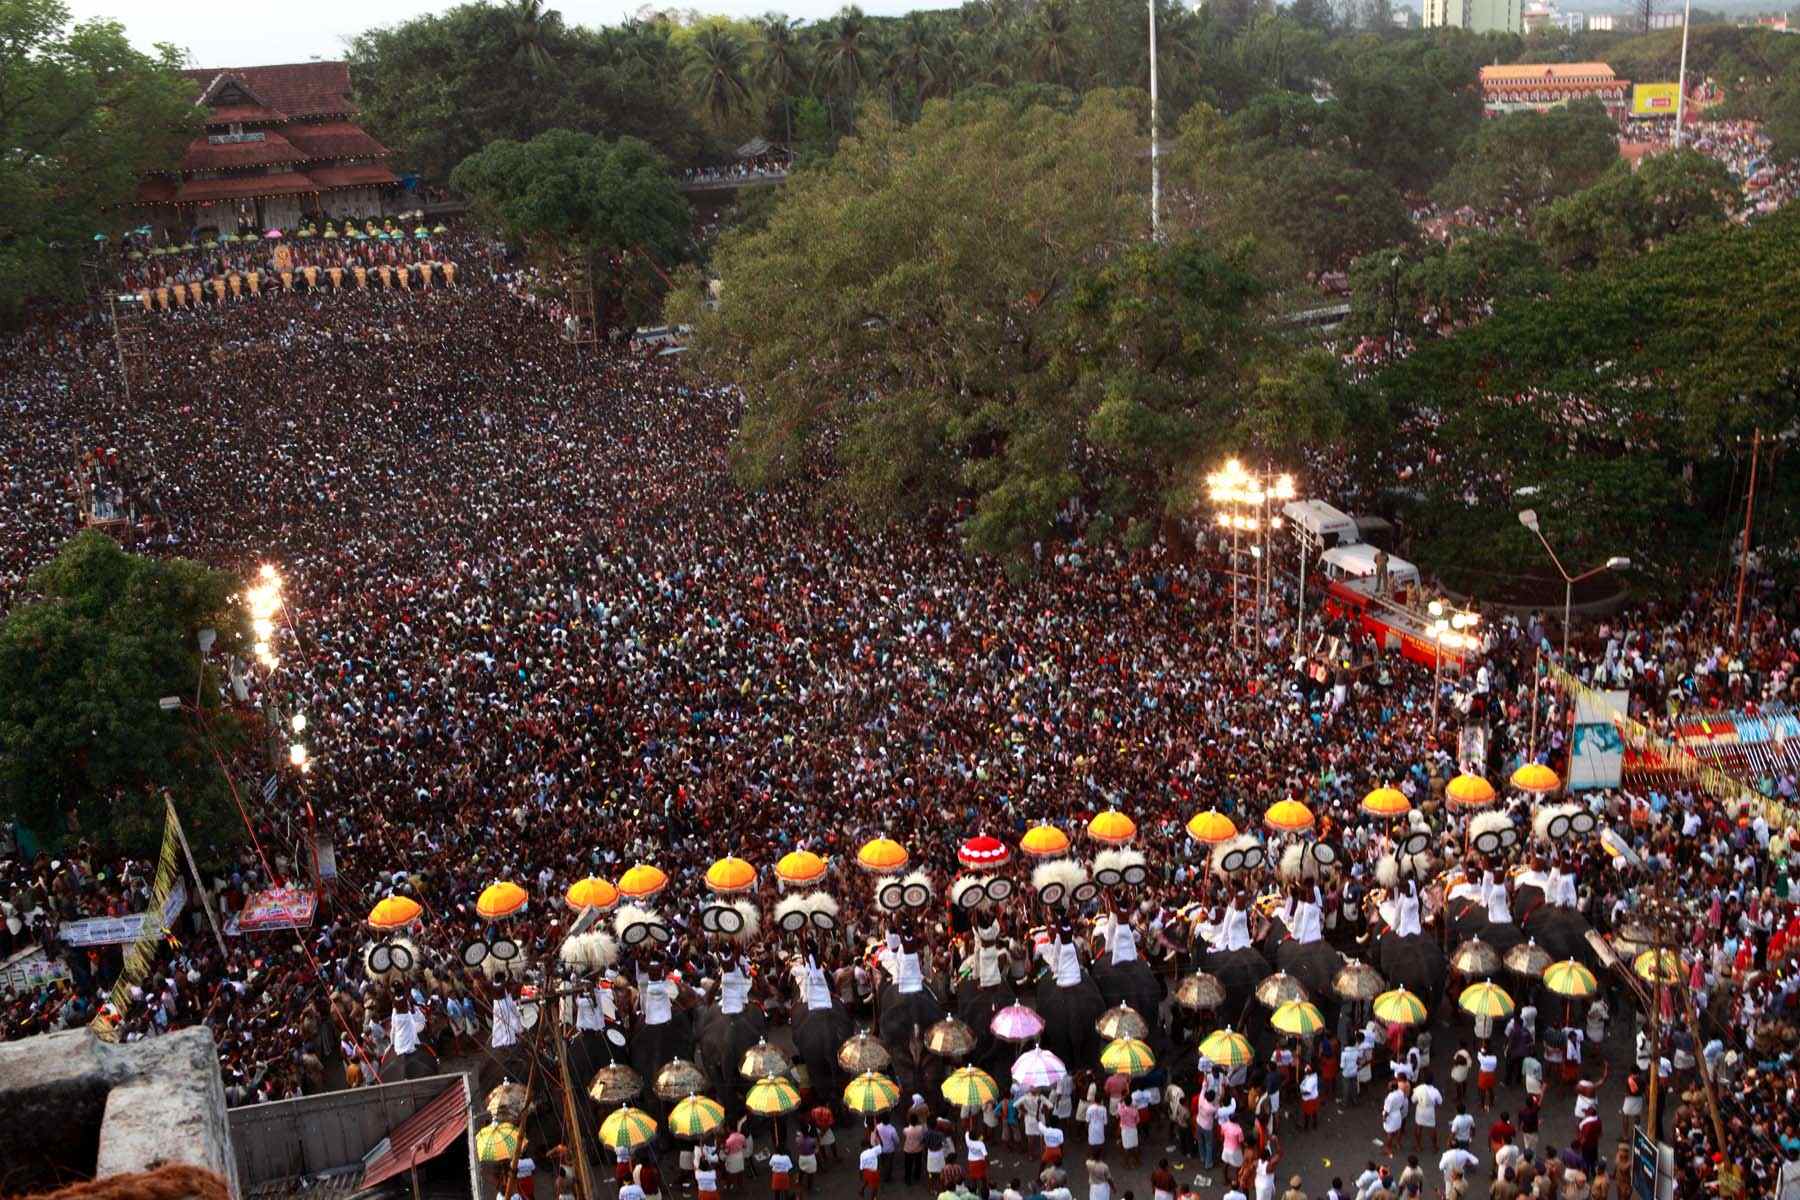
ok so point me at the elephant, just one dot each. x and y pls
(1562, 932)
(1314, 964)
(1415, 962)
(1069, 1014)
(1239, 971)
(1472, 922)
(901, 1019)
(1134, 983)
(818, 1032)
(723, 1039)
(651, 1046)
(975, 1007)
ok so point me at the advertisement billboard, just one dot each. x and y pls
(1598, 755)
(1654, 99)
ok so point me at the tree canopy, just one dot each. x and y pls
(1519, 162)
(84, 745)
(82, 117)
(968, 307)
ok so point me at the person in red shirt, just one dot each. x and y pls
(1500, 1133)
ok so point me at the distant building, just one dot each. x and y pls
(1538, 17)
(280, 144)
(1665, 20)
(1476, 16)
(1605, 22)
(1572, 22)
(1547, 85)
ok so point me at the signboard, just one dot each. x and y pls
(30, 969)
(120, 931)
(1598, 756)
(277, 908)
(1652, 1168)
(1654, 99)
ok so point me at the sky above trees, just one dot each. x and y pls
(321, 28)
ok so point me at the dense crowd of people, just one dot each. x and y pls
(539, 633)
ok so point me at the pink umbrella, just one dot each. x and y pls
(1039, 1069)
(273, 233)
(1016, 1023)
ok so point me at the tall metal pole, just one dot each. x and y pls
(1737, 611)
(1437, 678)
(1568, 603)
(1156, 141)
(1687, 15)
(1300, 621)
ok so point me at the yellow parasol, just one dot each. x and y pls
(395, 912)
(871, 1092)
(1288, 816)
(1536, 779)
(1211, 827)
(1112, 827)
(1658, 966)
(1486, 1000)
(498, 1143)
(970, 1087)
(800, 867)
(1386, 802)
(1570, 978)
(771, 1096)
(1469, 791)
(730, 874)
(642, 882)
(695, 1117)
(1127, 1056)
(1400, 1007)
(1227, 1049)
(1301, 1018)
(627, 1129)
(501, 899)
(882, 855)
(1044, 841)
(592, 892)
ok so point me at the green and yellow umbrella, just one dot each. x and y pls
(771, 1096)
(1227, 1049)
(1658, 966)
(1486, 1000)
(1127, 1056)
(871, 1092)
(1570, 978)
(970, 1087)
(498, 1143)
(1400, 1007)
(1301, 1018)
(696, 1116)
(629, 1128)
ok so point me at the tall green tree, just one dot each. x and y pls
(564, 194)
(1053, 46)
(1629, 210)
(781, 66)
(82, 117)
(913, 67)
(84, 745)
(531, 26)
(1520, 162)
(846, 55)
(1433, 289)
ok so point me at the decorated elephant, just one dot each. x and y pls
(975, 1007)
(1470, 920)
(723, 1039)
(1314, 964)
(1415, 962)
(1069, 1013)
(818, 1032)
(1562, 932)
(1238, 971)
(1134, 983)
(901, 1019)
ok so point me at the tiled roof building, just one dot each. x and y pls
(1545, 85)
(280, 143)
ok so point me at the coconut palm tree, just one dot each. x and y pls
(914, 64)
(715, 69)
(1053, 43)
(531, 24)
(846, 51)
(781, 65)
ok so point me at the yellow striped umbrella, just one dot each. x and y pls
(1226, 1048)
(871, 1092)
(1570, 978)
(1400, 1007)
(499, 1142)
(1127, 1056)
(1658, 966)
(1301, 1018)
(695, 1117)
(627, 1129)
(1486, 1000)
(1211, 827)
(771, 1096)
(1386, 802)
(970, 1087)
(1469, 791)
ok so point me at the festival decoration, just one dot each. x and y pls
(1016, 1023)
(1122, 1021)
(1528, 959)
(1469, 791)
(1569, 978)
(1400, 1007)
(1288, 816)
(498, 1143)
(970, 1087)
(1278, 989)
(950, 1038)
(870, 1093)
(696, 1117)
(642, 882)
(882, 856)
(983, 853)
(1301, 1018)
(763, 1059)
(1536, 779)
(1475, 957)
(616, 1085)
(678, 1079)
(627, 1129)
(730, 874)
(1112, 828)
(799, 868)
(771, 1096)
(501, 899)
(1386, 802)
(1200, 991)
(394, 912)
(1486, 1000)
(1038, 1069)
(1658, 966)
(1127, 1056)
(592, 892)
(1044, 841)
(1227, 1049)
(863, 1054)
(1357, 980)
(1211, 827)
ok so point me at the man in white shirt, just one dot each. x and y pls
(1425, 1101)
(1393, 1117)
(405, 1025)
(1456, 1161)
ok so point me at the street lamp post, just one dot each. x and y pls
(1618, 562)
(1243, 501)
(1155, 140)
(1447, 626)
